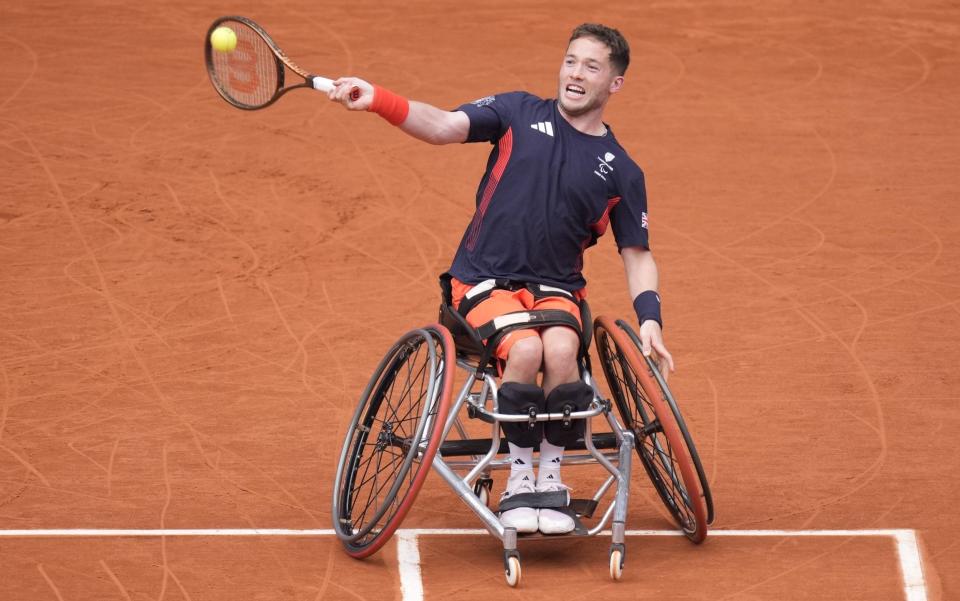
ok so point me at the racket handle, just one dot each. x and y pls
(322, 84)
(325, 85)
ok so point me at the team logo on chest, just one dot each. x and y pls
(604, 168)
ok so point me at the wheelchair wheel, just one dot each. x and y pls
(663, 443)
(392, 439)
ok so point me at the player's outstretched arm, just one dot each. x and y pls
(642, 281)
(418, 119)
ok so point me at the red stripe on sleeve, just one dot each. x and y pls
(599, 227)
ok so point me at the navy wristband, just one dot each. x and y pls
(647, 306)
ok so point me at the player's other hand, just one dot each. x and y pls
(343, 92)
(651, 342)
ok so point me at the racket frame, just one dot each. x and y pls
(316, 82)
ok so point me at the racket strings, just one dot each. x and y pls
(248, 75)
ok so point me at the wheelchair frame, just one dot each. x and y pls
(426, 357)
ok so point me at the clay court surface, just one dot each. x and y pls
(192, 297)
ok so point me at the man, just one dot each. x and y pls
(555, 179)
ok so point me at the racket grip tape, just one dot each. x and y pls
(325, 85)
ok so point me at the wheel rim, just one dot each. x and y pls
(666, 464)
(382, 462)
(671, 403)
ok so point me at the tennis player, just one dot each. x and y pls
(555, 180)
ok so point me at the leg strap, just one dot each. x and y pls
(567, 398)
(515, 398)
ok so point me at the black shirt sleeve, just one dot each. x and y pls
(629, 217)
(490, 117)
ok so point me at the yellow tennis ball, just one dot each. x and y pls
(223, 39)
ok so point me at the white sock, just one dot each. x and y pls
(521, 458)
(550, 458)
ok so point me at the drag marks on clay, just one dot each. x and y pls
(116, 581)
(108, 468)
(870, 472)
(770, 273)
(12, 67)
(219, 194)
(6, 396)
(765, 66)
(804, 205)
(287, 339)
(49, 581)
(104, 291)
(800, 310)
(25, 463)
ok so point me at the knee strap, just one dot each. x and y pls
(521, 399)
(567, 398)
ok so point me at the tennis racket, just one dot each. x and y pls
(252, 75)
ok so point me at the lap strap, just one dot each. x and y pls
(529, 319)
(482, 291)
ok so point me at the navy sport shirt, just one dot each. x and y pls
(548, 193)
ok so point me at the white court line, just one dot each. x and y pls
(908, 552)
(408, 548)
(85, 532)
(408, 558)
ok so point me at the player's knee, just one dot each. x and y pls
(526, 355)
(567, 398)
(560, 352)
(516, 398)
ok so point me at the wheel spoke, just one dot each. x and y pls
(403, 402)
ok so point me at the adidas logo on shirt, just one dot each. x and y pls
(544, 127)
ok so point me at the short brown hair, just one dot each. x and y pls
(613, 39)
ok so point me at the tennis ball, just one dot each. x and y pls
(223, 39)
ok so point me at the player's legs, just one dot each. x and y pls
(561, 381)
(522, 354)
(561, 346)
(560, 373)
(525, 353)
(524, 358)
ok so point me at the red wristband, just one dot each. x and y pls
(392, 107)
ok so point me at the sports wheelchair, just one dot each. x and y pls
(406, 416)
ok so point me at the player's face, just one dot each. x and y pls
(586, 77)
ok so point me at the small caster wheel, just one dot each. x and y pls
(512, 571)
(616, 564)
(482, 488)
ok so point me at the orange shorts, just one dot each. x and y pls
(501, 302)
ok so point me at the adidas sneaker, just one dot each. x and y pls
(524, 519)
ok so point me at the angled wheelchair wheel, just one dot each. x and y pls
(664, 445)
(392, 439)
(675, 409)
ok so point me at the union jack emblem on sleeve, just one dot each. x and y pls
(643, 220)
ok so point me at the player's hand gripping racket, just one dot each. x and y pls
(248, 72)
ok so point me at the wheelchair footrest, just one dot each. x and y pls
(480, 446)
(584, 508)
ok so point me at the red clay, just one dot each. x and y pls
(192, 297)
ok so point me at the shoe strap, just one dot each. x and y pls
(536, 500)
